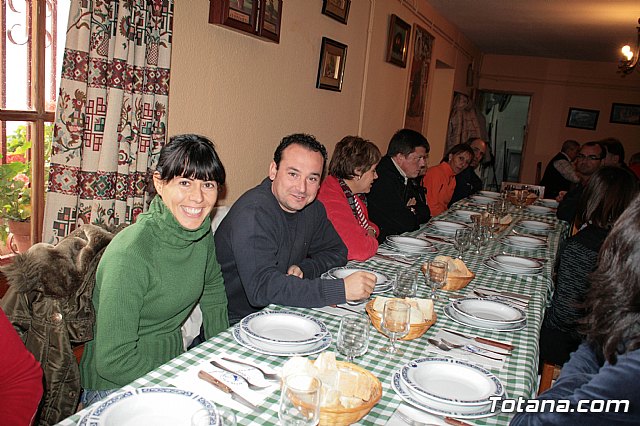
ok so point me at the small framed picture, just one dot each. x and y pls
(625, 114)
(239, 14)
(398, 42)
(336, 9)
(333, 55)
(582, 118)
(269, 22)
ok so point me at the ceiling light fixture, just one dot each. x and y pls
(628, 64)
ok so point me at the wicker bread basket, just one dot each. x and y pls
(347, 416)
(454, 282)
(415, 330)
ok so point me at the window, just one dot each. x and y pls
(32, 49)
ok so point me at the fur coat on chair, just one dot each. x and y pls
(49, 304)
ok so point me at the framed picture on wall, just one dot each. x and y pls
(238, 14)
(625, 114)
(398, 41)
(336, 9)
(582, 118)
(333, 55)
(269, 22)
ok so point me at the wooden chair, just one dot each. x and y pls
(549, 371)
(538, 172)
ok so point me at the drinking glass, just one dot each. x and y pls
(353, 336)
(203, 417)
(462, 240)
(396, 318)
(437, 274)
(299, 400)
(493, 223)
(479, 238)
(406, 284)
(502, 208)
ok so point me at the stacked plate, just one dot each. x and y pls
(383, 282)
(486, 314)
(409, 244)
(480, 199)
(150, 406)
(282, 333)
(446, 226)
(448, 387)
(490, 194)
(465, 215)
(523, 242)
(540, 209)
(549, 202)
(514, 264)
(535, 226)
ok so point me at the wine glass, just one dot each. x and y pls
(406, 284)
(299, 400)
(479, 238)
(437, 274)
(353, 336)
(395, 322)
(493, 223)
(462, 240)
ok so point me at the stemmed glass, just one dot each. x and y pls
(353, 336)
(299, 400)
(437, 275)
(479, 237)
(406, 284)
(493, 223)
(462, 241)
(395, 322)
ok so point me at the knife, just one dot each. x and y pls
(393, 259)
(520, 297)
(482, 340)
(429, 237)
(224, 388)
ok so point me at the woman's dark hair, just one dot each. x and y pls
(612, 322)
(190, 156)
(456, 149)
(353, 154)
(608, 193)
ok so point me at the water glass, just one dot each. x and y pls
(437, 271)
(479, 238)
(299, 400)
(462, 241)
(406, 284)
(396, 322)
(493, 223)
(353, 336)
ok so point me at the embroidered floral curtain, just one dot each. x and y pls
(111, 114)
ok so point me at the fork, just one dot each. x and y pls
(246, 377)
(267, 376)
(473, 349)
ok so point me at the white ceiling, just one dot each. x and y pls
(588, 30)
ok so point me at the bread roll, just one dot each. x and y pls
(421, 309)
(456, 267)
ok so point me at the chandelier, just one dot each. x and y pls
(628, 64)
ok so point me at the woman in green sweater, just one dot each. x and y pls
(154, 272)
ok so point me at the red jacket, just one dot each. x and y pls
(359, 244)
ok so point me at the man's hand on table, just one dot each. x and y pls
(359, 285)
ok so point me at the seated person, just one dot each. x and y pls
(20, 378)
(560, 174)
(608, 193)
(634, 164)
(440, 181)
(607, 365)
(276, 240)
(467, 181)
(155, 271)
(397, 202)
(352, 170)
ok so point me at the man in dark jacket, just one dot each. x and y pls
(560, 175)
(397, 201)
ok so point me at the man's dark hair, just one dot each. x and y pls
(569, 144)
(615, 147)
(302, 139)
(603, 151)
(405, 141)
(191, 156)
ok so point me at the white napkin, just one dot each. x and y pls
(414, 414)
(189, 380)
(343, 309)
(467, 356)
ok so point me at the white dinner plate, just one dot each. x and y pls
(262, 348)
(448, 226)
(150, 406)
(490, 194)
(524, 241)
(488, 311)
(451, 381)
(491, 264)
(436, 407)
(343, 272)
(517, 262)
(479, 199)
(549, 202)
(409, 242)
(454, 315)
(535, 225)
(283, 327)
(540, 209)
(465, 214)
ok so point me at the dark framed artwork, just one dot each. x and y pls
(582, 118)
(336, 9)
(333, 55)
(418, 78)
(398, 41)
(270, 17)
(625, 114)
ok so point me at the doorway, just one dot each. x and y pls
(506, 115)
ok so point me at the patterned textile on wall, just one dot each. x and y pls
(465, 122)
(111, 114)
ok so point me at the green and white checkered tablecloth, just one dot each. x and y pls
(519, 373)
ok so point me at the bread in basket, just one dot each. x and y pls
(420, 322)
(458, 275)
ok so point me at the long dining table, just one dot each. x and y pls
(519, 372)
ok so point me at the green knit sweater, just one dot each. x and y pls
(149, 279)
